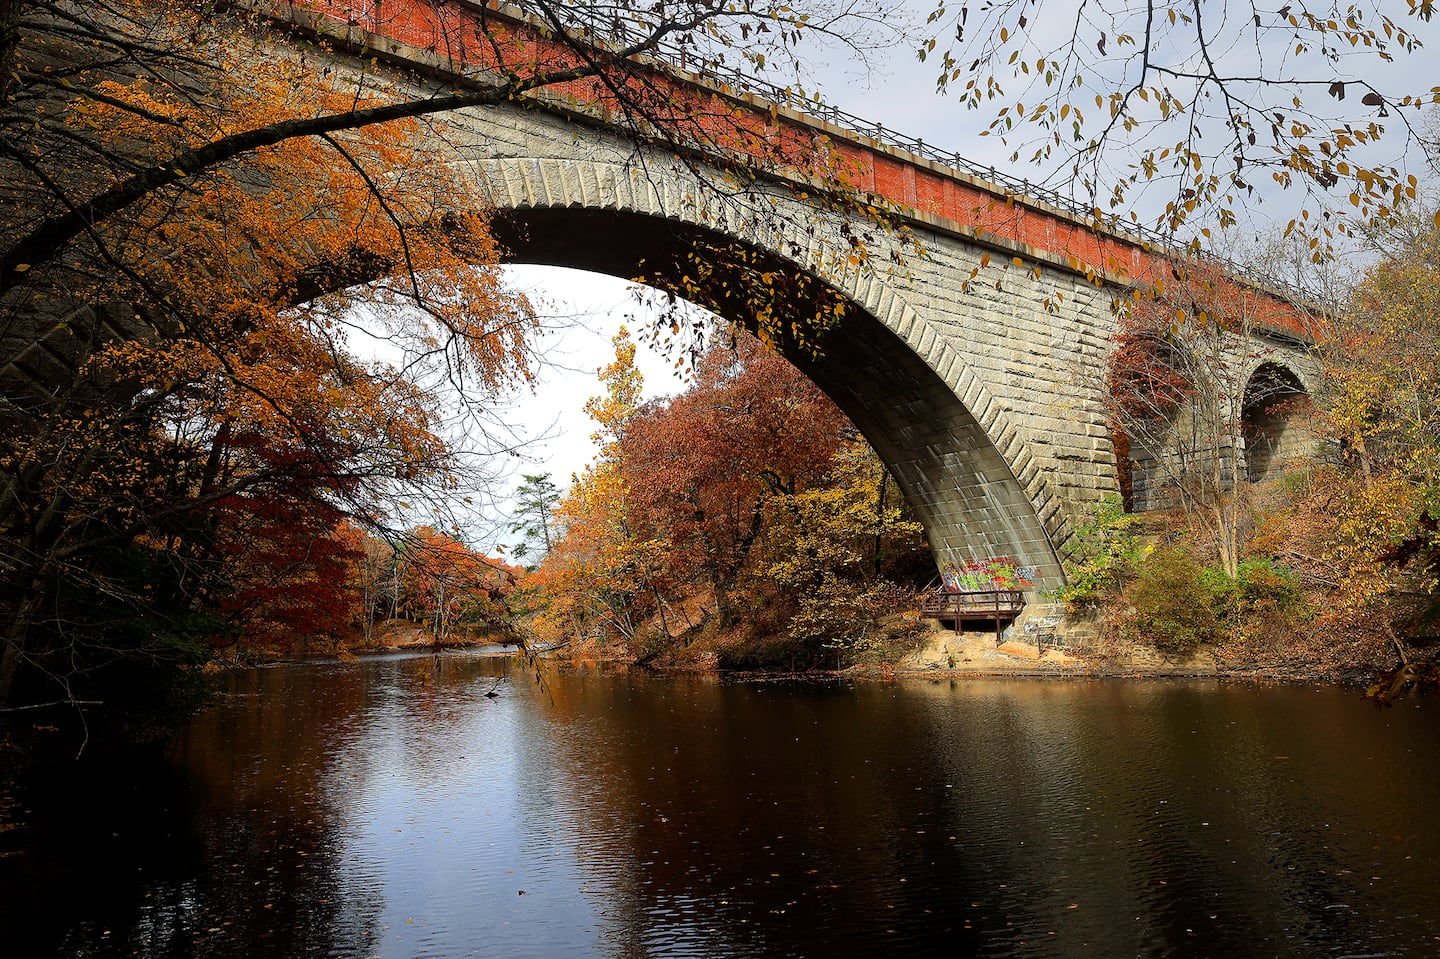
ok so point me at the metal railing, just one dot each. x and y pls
(616, 32)
(973, 604)
(613, 32)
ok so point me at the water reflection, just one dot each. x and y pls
(391, 808)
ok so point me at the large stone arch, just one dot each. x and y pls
(956, 451)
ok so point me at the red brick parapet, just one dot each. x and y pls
(1022, 226)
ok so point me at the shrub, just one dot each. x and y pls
(1174, 602)
(1260, 586)
(1104, 551)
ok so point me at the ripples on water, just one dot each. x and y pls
(389, 808)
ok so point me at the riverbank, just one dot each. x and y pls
(1045, 642)
(939, 652)
(977, 654)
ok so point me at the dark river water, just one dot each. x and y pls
(391, 808)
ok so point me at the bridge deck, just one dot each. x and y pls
(988, 604)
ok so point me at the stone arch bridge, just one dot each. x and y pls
(983, 398)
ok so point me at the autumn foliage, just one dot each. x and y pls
(1384, 413)
(201, 471)
(199, 231)
(1324, 561)
(745, 504)
(1363, 523)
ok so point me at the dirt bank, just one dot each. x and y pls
(977, 654)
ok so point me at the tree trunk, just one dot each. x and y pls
(1399, 646)
(880, 517)
(660, 609)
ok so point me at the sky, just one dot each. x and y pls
(580, 313)
(583, 311)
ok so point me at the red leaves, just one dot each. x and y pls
(696, 466)
(1143, 380)
(286, 569)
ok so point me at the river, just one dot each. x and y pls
(448, 806)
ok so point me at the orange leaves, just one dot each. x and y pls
(749, 491)
(697, 468)
(225, 261)
(227, 431)
(445, 582)
(599, 575)
(236, 243)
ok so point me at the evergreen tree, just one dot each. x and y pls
(535, 500)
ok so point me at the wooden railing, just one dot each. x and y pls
(984, 604)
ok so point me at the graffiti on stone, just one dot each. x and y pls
(996, 572)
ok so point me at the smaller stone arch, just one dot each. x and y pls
(1273, 413)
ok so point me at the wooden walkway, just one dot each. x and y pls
(972, 605)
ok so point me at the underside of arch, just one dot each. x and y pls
(948, 445)
(1272, 415)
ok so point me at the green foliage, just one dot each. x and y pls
(1105, 551)
(1174, 603)
(1179, 604)
(1261, 585)
(535, 502)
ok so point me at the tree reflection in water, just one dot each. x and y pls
(389, 808)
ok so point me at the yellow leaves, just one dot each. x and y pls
(1373, 520)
